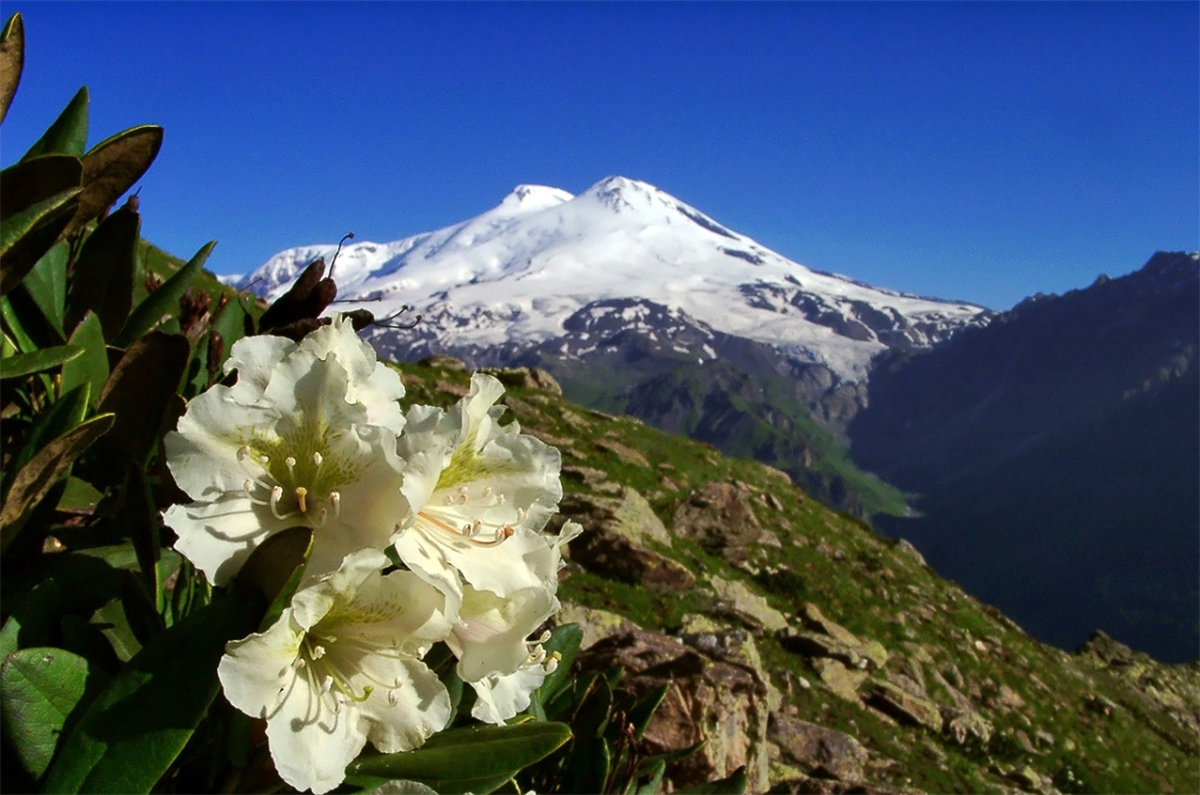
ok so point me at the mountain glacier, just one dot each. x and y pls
(561, 273)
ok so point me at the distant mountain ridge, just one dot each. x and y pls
(1055, 453)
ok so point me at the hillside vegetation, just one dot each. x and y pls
(819, 654)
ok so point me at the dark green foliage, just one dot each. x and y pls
(90, 384)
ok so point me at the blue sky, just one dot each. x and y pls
(979, 151)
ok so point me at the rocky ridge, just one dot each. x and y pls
(820, 656)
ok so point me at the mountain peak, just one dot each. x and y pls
(618, 193)
(535, 197)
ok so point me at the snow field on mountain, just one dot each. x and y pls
(516, 272)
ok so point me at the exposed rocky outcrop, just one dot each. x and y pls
(617, 544)
(817, 750)
(722, 703)
(720, 518)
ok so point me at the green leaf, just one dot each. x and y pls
(112, 166)
(593, 713)
(139, 393)
(79, 497)
(47, 359)
(20, 337)
(136, 728)
(164, 300)
(103, 277)
(124, 556)
(588, 765)
(476, 758)
(735, 784)
(47, 284)
(44, 470)
(643, 711)
(112, 619)
(62, 416)
(28, 182)
(275, 567)
(657, 770)
(92, 367)
(31, 618)
(75, 584)
(38, 690)
(140, 518)
(12, 60)
(27, 236)
(68, 133)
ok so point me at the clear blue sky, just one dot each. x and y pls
(980, 151)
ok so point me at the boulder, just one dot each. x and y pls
(818, 750)
(596, 624)
(829, 639)
(906, 707)
(614, 542)
(965, 726)
(525, 378)
(841, 681)
(722, 703)
(1004, 698)
(748, 607)
(720, 518)
(812, 617)
(623, 452)
(814, 785)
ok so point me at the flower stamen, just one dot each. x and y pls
(468, 532)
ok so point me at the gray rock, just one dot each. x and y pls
(904, 706)
(818, 750)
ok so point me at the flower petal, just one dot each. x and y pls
(312, 743)
(479, 494)
(219, 536)
(202, 453)
(498, 698)
(253, 669)
(404, 717)
(255, 358)
(490, 636)
(376, 387)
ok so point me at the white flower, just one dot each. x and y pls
(306, 436)
(490, 639)
(494, 655)
(480, 493)
(340, 667)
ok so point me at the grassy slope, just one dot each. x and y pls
(747, 417)
(871, 586)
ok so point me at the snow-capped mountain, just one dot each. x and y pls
(562, 273)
